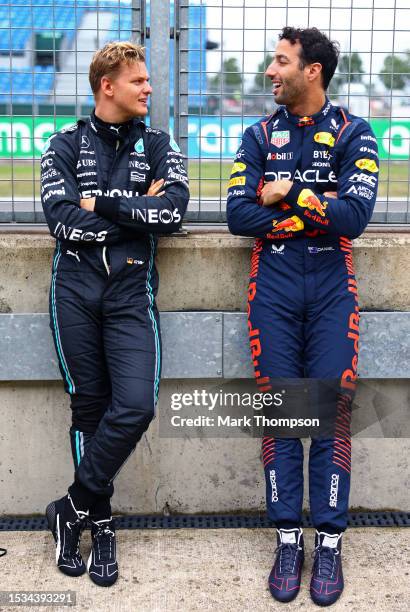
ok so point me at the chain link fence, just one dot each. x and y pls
(207, 60)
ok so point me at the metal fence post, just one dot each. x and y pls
(138, 22)
(159, 37)
(181, 74)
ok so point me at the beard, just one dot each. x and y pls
(289, 94)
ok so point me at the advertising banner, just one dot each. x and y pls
(209, 136)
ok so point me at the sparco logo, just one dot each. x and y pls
(272, 475)
(334, 487)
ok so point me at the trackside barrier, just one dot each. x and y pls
(200, 345)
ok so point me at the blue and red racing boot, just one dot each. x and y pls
(327, 583)
(66, 524)
(284, 579)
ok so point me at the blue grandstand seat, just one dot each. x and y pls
(52, 16)
(28, 86)
(40, 15)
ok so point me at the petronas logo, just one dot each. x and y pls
(139, 146)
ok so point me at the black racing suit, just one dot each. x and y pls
(104, 281)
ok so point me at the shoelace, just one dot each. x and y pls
(105, 536)
(287, 554)
(324, 561)
(72, 543)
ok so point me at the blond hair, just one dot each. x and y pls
(108, 60)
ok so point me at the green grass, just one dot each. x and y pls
(208, 179)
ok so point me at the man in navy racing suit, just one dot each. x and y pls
(110, 185)
(304, 184)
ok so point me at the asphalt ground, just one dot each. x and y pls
(189, 570)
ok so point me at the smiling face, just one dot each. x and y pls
(128, 90)
(290, 81)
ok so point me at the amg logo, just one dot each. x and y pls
(334, 487)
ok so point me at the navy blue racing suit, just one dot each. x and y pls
(103, 313)
(303, 310)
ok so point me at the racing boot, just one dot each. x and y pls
(327, 584)
(284, 579)
(102, 564)
(66, 524)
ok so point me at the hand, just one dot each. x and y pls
(330, 194)
(155, 187)
(275, 191)
(88, 204)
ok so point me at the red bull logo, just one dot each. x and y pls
(307, 199)
(263, 382)
(293, 224)
(324, 138)
(349, 376)
(306, 121)
(367, 164)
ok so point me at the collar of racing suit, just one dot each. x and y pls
(309, 119)
(111, 132)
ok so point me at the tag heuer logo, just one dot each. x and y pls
(280, 139)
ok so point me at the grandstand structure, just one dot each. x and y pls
(46, 47)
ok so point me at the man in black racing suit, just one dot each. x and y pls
(109, 185)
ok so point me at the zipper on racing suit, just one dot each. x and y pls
(105, 254)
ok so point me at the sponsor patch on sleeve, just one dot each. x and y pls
(238, 180)
(307, 199)
(324, 138)
(367, 164)
(293, 224)
(238, 167)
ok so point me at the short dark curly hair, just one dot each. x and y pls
(316, 47)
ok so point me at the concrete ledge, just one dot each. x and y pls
(201, 345)
(205, 271)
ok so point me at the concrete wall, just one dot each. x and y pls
(201, 271)
(204, 271)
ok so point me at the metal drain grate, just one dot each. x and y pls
(213, 521)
